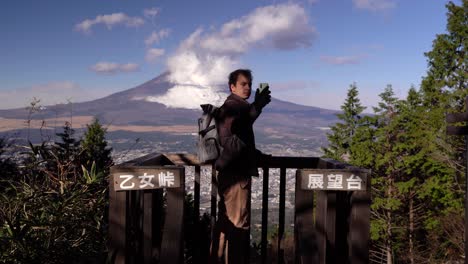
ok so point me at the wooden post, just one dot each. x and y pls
(282, 208)
(322, 219)
(214, 199)
(117, 225)
(148, 226)
(264, 241)
(305, 236)
(359, 226)
(173, 235)
(331, 253)
(335, 183)
(196, 215)
(342, 227)
(158, 212)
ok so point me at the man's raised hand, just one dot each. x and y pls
(262, 99)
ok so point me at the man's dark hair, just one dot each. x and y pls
(235, 74)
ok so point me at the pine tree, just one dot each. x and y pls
(63, 157)
(68, 145)
(340, 139)
(445, 85)
(386, 200)
(444, 89)
(446, 80)
(95, 149)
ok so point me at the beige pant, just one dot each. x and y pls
(232, 230)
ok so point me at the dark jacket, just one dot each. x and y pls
(235, 120)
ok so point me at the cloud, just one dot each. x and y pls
(151, 12)
(129, 67)
(157, 36)
(282, 26)
(112, 68)
(375, 5)
(187, 96)
(109, 21)
(202, 62)
(50, 93)
(342, 60)
(153, 54)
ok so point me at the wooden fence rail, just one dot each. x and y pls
(333, 229)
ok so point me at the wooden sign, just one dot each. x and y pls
(333, 179)
(457, 130)
(146, 177)
(456, 117)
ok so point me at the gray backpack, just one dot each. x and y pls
(208, 146)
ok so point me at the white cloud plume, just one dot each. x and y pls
(375, 5)
(153, 54)
(51, 93)
(200, 66)
(342, 60)
(282, 26)
(109, 21)
(187, 96)
(157, 36)
(112, 68)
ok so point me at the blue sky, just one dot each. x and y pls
(310, 51)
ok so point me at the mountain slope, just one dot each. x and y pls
(120, 109)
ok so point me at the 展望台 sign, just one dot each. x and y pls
(333, 179)
(146, 178)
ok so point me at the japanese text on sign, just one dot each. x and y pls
(146, 179)
(333, 180)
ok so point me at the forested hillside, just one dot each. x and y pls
(418, 172)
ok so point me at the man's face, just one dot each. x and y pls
(243, 87)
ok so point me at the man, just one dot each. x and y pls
(236, 164)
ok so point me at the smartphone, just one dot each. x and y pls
(263, 86)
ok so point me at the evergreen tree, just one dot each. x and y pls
(95, 149)
(445, 85)
(386, 202)
(446, 81)
(62, 159)
(67, 146)
(340, 139)
(444, 89)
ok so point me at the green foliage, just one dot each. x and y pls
(92, 175)
(95, 149)
(340, 140)
(57, 210)
(444, 91)
(68, 147)
(446, 80)
(417, 169)
(59, 223)
(413, 187)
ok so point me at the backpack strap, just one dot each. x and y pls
(212, 112)
(206, 130)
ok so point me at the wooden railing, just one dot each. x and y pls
(334, 229)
